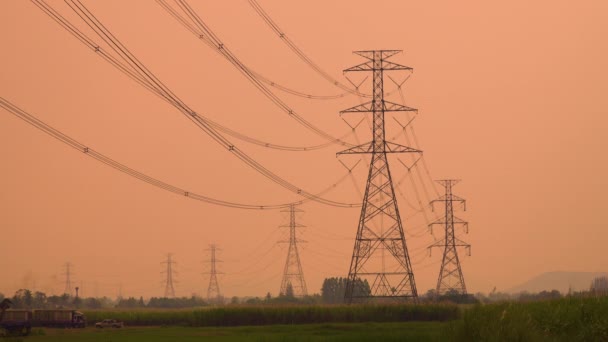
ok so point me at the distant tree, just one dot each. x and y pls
(289, 291)
(311, 299)
(76, 302)
(256, 300)
(183, 302)
(92, 303)
(130, 302)
(599, 286)
(543, 295)
(481, 297)
(23, 299)
(57, 302)
(234, 300)
(268, 297)
(141, 303)
(39, 300)
(333, 289)
(454, 296)
(430, 294)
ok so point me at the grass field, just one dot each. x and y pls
(408, 331)
(566, 319)
(277, 315)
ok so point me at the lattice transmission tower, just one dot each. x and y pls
(213, 291)
(380, 265)
(451, 280)
(68, 279)
(169, 280)
(293, 275)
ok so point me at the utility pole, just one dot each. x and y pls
(374, 272)
(292, 274)
(450, 278)
(213, 291)
(169, 289)
(68, 279)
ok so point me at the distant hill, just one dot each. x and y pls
(560, 281)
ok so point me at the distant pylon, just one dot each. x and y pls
(213, 291)
(169, 288)
(380, 265)
(292, 274)
(450, 278)
(68, 279)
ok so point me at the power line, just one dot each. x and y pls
(303, 56)
(281, 34)
(127, 70)
(190, 27)
(210, 37)
(138, 67)
(32, 120)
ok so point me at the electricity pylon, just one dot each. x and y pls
(292, 273)
(169, 288)
(373, 272)
(68, 279)
(213, 291)
(450, 278)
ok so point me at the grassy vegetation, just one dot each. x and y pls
(566, 319)
(409, 331)
(272, 315)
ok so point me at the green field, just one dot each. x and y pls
(566, 319)
(408, 331)
(279, 314)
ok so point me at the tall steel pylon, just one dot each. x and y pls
(213, 291)
(293, 275)
(374, 272)
(169, 288)
(68, 279)
(450, 278)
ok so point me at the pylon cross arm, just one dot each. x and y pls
(370, 54)
(389, 147)
(387, 106)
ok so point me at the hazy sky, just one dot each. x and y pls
(511, 98)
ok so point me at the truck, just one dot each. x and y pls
(20, 322)
(62, 318)
(15, 322)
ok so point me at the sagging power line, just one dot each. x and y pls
(154, 82)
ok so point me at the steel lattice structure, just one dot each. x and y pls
(292, 273)
(68, 279)
(169, 288)
(451, 280)
(380, 257)
(213, 291)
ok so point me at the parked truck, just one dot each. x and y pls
(17, 322)
(59, 318)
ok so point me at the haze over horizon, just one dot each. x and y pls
(511, 101)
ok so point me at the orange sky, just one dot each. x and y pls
(511, 99)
